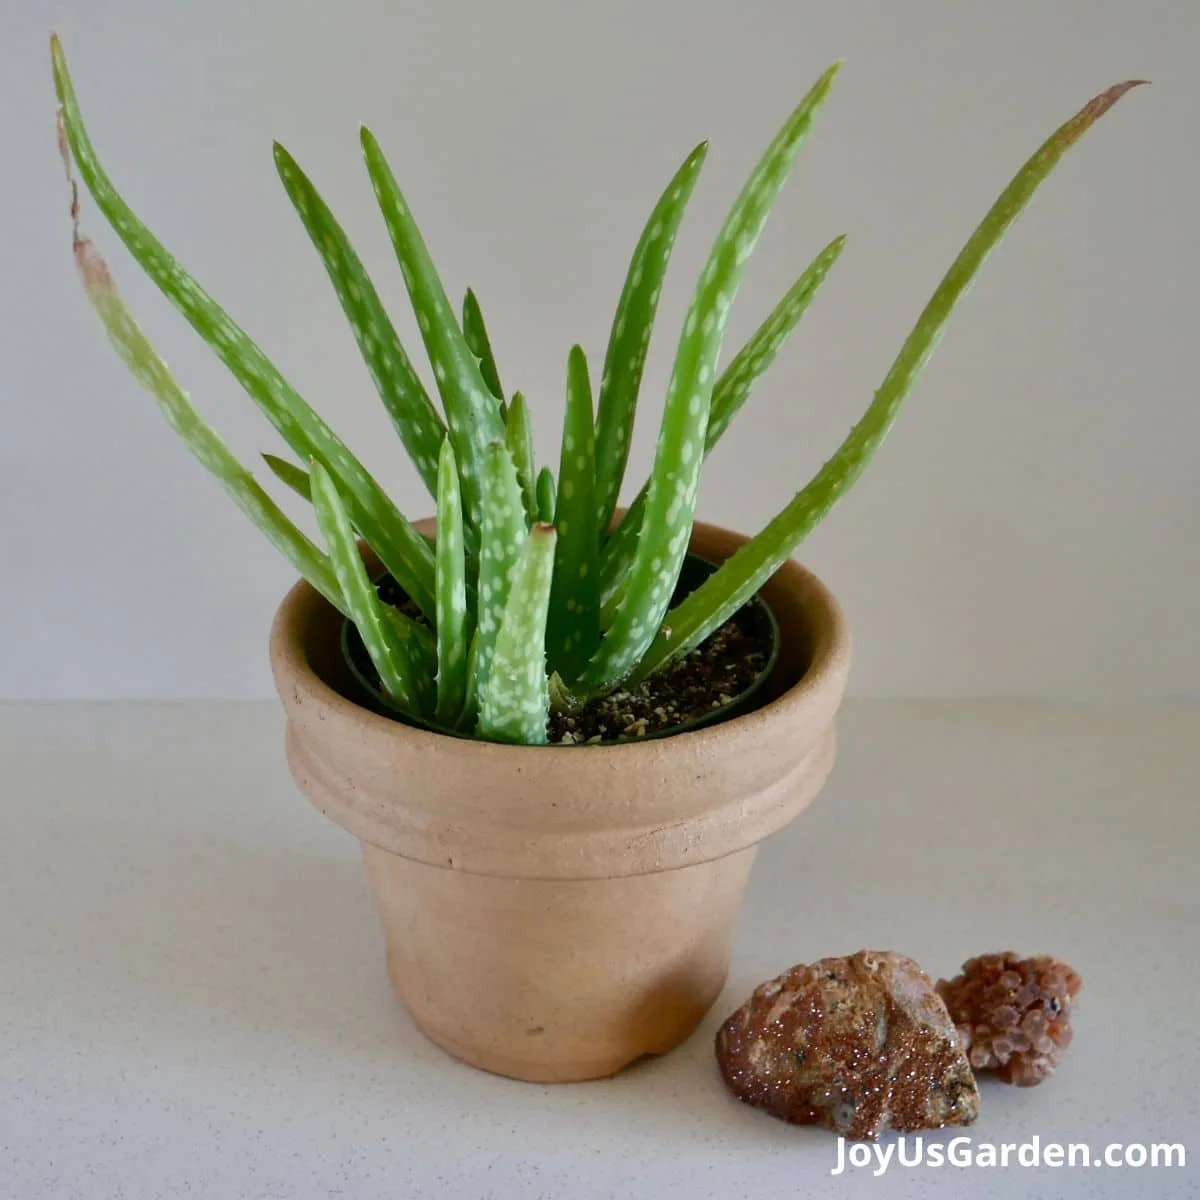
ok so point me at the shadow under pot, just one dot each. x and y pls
(723, 678)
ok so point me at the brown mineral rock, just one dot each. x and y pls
(1013, 1014)
(858, 1044)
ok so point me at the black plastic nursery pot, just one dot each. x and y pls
(694, 572)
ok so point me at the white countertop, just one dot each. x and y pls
(193, 997)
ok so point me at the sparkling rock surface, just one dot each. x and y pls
(859, 1045)
(1013, 1014)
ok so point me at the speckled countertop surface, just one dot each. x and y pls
(193, 999)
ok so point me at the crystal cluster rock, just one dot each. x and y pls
(858, 1044)
(1013, 1014)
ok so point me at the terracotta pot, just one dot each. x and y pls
(553, 913)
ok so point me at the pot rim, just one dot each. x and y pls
(532, 812)
(829, 660)
(743, 702)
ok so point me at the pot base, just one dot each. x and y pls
(529, 1070)
(554, 981)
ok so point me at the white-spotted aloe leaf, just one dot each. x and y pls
(729, 394)
(405, 555)
(296, 478)
(724, 592)
(151, 372)
(471, 410)
(503, 531)
(381, 628)
(674, 478)
(399, 387)
(515, 705)
(629, 340)
(574, 629)
(754, 359)
(450, 556)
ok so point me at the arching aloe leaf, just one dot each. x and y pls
(725, 591)
(381, 628)
(399, 387)
(151, 372)
(404, 554)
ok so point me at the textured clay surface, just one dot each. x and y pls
(859, 1045)
(551, 913)
(1013, 1014)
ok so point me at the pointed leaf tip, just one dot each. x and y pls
(1099, 105)
(58, 64)
(1087, 116)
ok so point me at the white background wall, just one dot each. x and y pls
(1031, 525)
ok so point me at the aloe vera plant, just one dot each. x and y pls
(529, 595)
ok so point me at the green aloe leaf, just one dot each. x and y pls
(545, 496)
(503, 537)
(675, 476)
(470, 710)
(516, 703)
(404, 554)
(288, 473)
(729, 394)
(753, 360)
(451, 593)
(574, 629)
(399, 387)
(296, 478)
(151, 372)
(724, 592)
(518, 435)
(629, 340)
(381, 628)
(420, 645)
(471, 410)
(475, 331)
